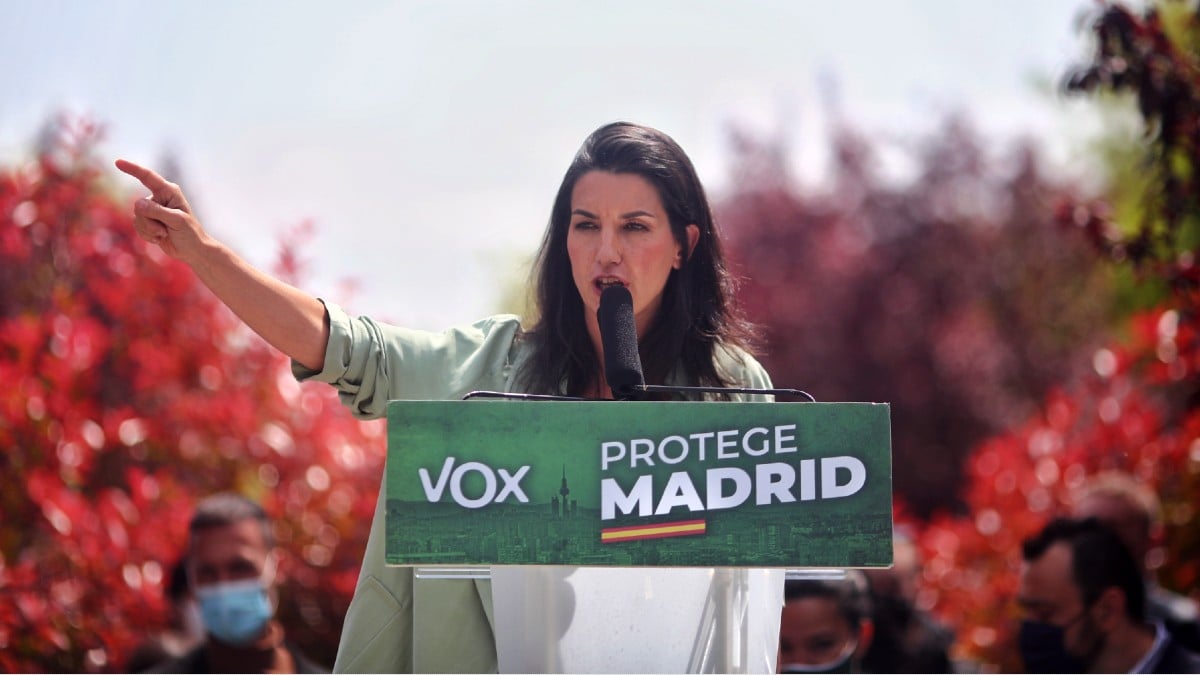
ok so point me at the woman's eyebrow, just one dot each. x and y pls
(631, 214)
(637, 214)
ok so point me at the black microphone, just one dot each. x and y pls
(618, 337)
(623, 363)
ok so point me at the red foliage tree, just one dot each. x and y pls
(1139, 411)
(951, 296)
(131, 392)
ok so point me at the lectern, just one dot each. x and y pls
(637, 536)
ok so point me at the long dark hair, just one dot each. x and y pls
(696, 317)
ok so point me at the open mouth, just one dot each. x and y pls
(606, 282)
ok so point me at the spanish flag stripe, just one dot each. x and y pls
(659, 531)
(674, 523)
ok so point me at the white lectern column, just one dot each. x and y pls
(617, 619)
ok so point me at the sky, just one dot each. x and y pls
(425, 140)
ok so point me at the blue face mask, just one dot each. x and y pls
(1043, 651)
(235, 612)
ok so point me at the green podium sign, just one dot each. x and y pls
(494, 482)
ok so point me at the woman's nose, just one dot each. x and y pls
(610, 250)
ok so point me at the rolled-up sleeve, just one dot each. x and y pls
(370, 363)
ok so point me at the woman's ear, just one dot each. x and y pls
(693, 237)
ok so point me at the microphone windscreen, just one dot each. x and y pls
(618, 337)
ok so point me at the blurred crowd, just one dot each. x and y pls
(222, 597)
(1087, 601)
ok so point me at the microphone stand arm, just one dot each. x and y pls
(658, 388)
(632, 391)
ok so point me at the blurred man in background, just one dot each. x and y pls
(1083, 600)
(232, 568)
(1134, 513)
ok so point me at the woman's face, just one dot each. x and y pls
(619, 233)
(814, 634)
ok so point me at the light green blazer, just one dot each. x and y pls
(397, 623)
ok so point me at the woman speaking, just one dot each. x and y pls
(631, 212)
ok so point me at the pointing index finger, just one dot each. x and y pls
(163, 191)
(154, 182)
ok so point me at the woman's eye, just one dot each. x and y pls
(823, 645)
(634, 225)
(585, 225)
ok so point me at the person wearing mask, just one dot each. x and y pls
(630, 211)
(232, 567)
(1133, 511)
(826, 625)
(1083, 601)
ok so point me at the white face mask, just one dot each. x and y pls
(841, 664)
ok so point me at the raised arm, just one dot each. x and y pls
(289, 319)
